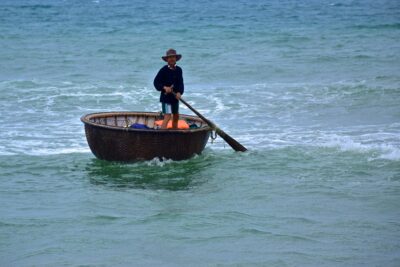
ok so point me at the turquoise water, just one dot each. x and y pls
(311, 88)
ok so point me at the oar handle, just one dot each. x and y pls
(210, 123)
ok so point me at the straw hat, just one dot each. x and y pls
(171, 52)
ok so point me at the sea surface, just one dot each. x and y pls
(311, 88)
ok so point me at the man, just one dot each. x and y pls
(169, 81)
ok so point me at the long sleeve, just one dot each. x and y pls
(158, 84)
(180, 86)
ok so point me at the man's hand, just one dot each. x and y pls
(178, 95)
(168, 89)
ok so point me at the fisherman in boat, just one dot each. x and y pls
(169, 81)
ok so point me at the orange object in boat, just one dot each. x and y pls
(182, 124)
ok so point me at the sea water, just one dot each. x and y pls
(311, 88)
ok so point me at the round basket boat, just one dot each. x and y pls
(110, 137)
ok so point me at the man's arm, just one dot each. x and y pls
(180, 87)
(158, 83)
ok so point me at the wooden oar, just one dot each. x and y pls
(232, 142)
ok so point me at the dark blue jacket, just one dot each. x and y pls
(168, 77)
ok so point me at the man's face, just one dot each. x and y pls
(171, 60)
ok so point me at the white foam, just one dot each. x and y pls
(377, 145)
(45, 151)
(6, 153)
(69, 150)
(159, 163)
(391, 155)
(371, 143)
(219, 105)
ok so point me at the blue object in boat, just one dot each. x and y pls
(139, 126)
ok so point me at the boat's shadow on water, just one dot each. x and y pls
(154, 174)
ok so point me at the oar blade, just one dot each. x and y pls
(232, 142)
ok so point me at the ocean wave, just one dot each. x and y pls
(33, 7)
(378, 149)
(394, 26)
(391, 155)
(375, 145)
(259, 115)
(32, 149)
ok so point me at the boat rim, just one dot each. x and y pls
(86, 120)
